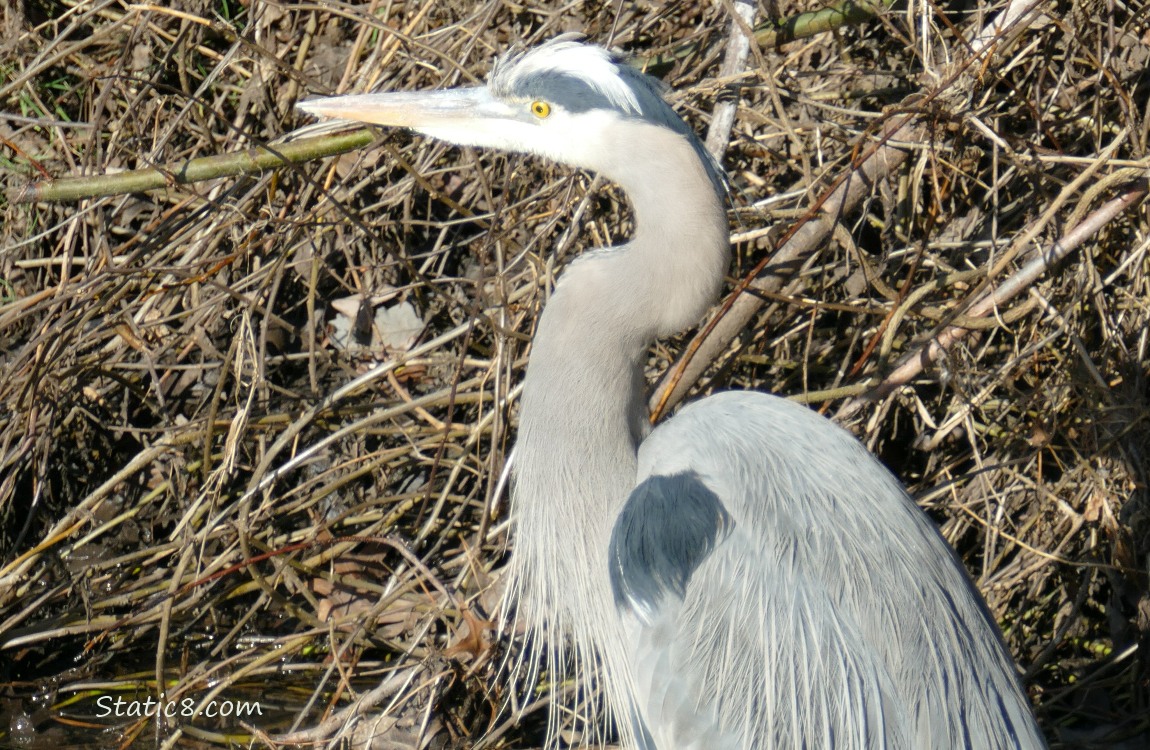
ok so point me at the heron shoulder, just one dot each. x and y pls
(668, 526)
(800, 489)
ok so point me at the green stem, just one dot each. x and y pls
(846, 13)
(774, 33)
(259, 159)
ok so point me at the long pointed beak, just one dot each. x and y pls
(418, 110)
(465, 117)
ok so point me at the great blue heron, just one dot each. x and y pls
(747, 574)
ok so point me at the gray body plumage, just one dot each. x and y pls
(828, 579)
(747, 575)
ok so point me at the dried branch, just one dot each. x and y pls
(881, 157)
(1039, 262)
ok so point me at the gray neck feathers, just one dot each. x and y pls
(583, 409)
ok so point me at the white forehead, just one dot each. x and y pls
(561, 61)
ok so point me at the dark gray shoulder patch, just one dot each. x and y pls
(666, 529)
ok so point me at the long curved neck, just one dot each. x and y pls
(583, 409)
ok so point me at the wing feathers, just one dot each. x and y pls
(813, 604)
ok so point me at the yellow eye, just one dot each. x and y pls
(540, 109)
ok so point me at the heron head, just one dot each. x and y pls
(574, 103)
